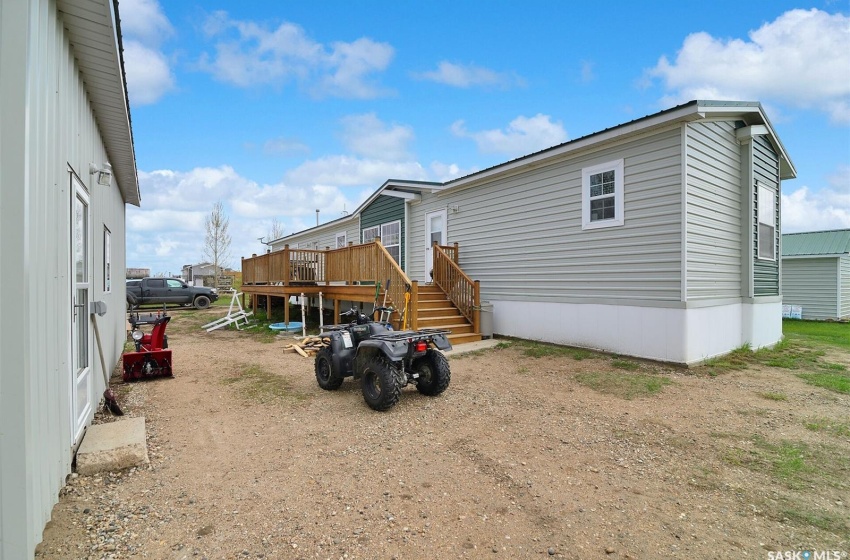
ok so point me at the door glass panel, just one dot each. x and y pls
(436, 229)
(80, 240)
(82, 355)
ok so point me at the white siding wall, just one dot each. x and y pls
(324, 237)
(46, 125)
(713, 212)
(521, 236)
(813, 284)
(844, 271)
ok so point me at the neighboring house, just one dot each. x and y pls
(656, 238)
(816, 273)
(203, 274)
(64, 118)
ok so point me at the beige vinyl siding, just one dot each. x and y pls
(521, 235)
(713, 211)
(766, 173)
(813, 284)
(844, 276)
(47, 125)
(323, 237)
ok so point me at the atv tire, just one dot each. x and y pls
(326, 377)
(434, 373)
(201, 302)
(380, 386)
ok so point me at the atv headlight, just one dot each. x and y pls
(138, 335)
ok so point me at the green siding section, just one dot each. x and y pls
(766, 172)
(384, 209)
(812, 284)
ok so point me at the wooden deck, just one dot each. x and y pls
(349, 274)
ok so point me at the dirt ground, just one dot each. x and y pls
(517, 459)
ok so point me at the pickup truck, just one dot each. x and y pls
(168, 290)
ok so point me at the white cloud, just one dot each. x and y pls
(145, 27)
(807, 210)
(524, 135)
(444, 172)
(468, 75)
(248, 54)
(168, 230)
(346, 170)
(149, 76)
(144, 20)
(368, 136)
(587, 73)
(801, 58)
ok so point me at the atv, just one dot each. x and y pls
(384, 360)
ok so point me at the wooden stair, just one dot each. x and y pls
(437, 312)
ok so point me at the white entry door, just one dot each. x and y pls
(435, 230)
(81, 340)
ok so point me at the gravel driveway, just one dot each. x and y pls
(517, 459)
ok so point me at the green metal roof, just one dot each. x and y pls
(835, 242)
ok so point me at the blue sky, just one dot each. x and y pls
(280, 108)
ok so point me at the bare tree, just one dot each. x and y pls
(217, 243)
(276, 231)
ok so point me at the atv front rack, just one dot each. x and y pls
(396, 336)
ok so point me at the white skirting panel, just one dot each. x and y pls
(685, 336)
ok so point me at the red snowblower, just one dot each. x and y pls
(152, 357)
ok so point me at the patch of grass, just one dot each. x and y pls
(738, 359)
(543, 350)
(625, 386)
(822, 520)
(502, 345)
(831, 334)
(627, 365)
(834, 427)
(773, 396)
(257, 385)
(792, 463)
(838, 382)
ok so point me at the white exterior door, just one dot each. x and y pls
(81, 340)
(435, 230)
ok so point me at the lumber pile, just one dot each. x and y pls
(308, 347)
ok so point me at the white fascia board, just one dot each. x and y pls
(402, 194)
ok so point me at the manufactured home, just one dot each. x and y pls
(67, 171)
(657, 238)
(816, 273)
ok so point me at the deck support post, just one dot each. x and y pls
(286, 308)
(287, 272)
(336, 311)
(269, 308)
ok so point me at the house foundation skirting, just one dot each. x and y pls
(678, 335)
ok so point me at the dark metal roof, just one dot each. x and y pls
(810, 243)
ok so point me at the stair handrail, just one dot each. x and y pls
(462, 291)
(386, 268)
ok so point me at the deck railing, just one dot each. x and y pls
(369, 262)
(460, 288)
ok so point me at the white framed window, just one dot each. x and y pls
(766, 224)
(602, 195)
(107, 260)
(370, 233)
(391, 239)
(341, 240)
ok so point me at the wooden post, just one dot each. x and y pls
(457, 253)
(254, 303)
(327, 273)
(413, 309)
(336, 311)
(269, 308)
(476, 308)
(348, 267)
(287, 270)
(286, 308)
